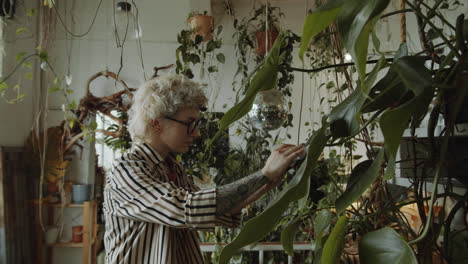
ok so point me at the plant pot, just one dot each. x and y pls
(202, 25)
(81, 193)
(51, 234)
(77, 234)
(261, 41)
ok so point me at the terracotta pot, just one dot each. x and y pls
(77, 234)
(202, 25)
(261, 41)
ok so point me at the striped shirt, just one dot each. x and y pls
(150, 219)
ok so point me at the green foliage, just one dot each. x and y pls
(355, 19)
(317, 21)
(288, 234)
(124, 141)
(344, 118)
(264, 79)
(385, 246)
(332, 249)
(397, 100)
(205, 165)
(361, 178)
(262, 224)
(192, 51)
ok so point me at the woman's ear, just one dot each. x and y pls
(156, 125)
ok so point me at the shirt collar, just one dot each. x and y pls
(148, 153)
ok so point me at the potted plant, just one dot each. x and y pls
(267, 20)
(199, 46)
(201, 25)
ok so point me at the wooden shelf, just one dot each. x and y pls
(63, 245)
(37, 202)
(90, 227)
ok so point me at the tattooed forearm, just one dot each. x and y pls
(230, 195)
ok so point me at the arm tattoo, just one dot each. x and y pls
(230, 195)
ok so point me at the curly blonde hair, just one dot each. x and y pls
(162, 96)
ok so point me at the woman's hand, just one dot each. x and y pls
(279, 161)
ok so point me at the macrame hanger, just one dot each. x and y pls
(266, 28)
(402, 22)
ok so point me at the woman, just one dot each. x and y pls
(152, 210)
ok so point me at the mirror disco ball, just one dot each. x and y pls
(268, 111)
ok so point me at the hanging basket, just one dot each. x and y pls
(261, 41)
(202, 25)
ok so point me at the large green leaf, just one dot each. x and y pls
(317, 21)
(344, 118)
(322, 222)
(288, 234)
(361, 178)
(385, 246)
(389, 91)
(259, 226)
(416, 78)
(332, 250)
(265, 78)
(355, 22)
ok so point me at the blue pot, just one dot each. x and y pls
(81, 193)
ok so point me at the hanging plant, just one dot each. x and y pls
(266, 19)
(201, 25)
(199, 45)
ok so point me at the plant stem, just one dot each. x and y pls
(397, 12)
(343, 64)
(437, 14)
(428, 21)
(17, 65)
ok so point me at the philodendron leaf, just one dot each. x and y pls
(355, 22)
(288, 234)
(261, 225)
(322, 222)
(416, 78)
(389, 91)
(317, 21)
(344, 118)
(264, 79)
(385, 246)
(332, 250)
(361, 178)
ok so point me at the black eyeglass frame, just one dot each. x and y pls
(191, 125)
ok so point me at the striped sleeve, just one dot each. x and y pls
(138, 194)
(229, 220)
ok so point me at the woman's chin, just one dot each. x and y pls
(183, 149)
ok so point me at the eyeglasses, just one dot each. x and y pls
(191, 125)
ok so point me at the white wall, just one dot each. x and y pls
(16, 119)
